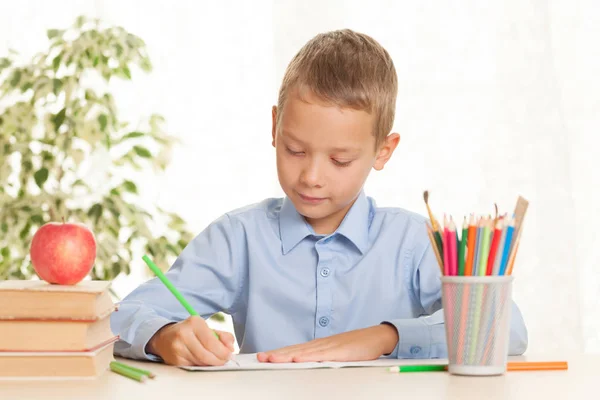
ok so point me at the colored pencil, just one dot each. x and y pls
(510, 366)
(463, 246)
(471, 240)
(509, 233)
(477, 247)
(138, 370)
(446, 247)
(498, 259)
(172, 288)
(452, 253)
(127, 372)
(495, 241)
(485, 248)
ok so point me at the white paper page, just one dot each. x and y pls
(249, 362)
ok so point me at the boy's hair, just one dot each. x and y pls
(349, 70)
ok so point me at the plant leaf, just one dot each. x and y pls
(142, 151)
(4, 62)
(130, 187)
(95, 212)
(56, 61)
(126, 72)
(37, 219)
(41, 176)
(25, 231)
(57, 84)
(133, 135)
(102, 120)
(16, 78)
(52, 33)
(59, 118)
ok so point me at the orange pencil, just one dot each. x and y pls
(472, 236)
(536, 365)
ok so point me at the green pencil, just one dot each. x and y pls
(126, 372)
(171, 287)
(462, 248)
(418, 368)
(485, 249)
(134, 369)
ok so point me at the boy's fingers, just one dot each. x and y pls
(200, 354)
(212, 344)
(321, 355)
(262, 357)
(227, 339)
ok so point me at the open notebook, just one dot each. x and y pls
(249, 362)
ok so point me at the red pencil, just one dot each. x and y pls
(494, 248)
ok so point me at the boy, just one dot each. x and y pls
(322, 274)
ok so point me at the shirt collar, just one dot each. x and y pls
(293, 228)
(355, 225)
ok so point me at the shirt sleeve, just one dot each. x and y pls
(425, 336)
(207, 273)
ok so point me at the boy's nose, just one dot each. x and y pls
(312, 174)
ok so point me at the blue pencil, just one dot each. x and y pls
(477, 250)
(506, 252)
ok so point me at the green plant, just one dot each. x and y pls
(56, 116)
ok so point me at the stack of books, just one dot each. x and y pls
(55, 331)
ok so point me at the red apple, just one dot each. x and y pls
(63, 253)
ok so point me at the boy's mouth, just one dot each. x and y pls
(311, 200)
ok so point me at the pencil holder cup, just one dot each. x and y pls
(477, 320)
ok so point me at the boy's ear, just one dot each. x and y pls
(386, 150)
(274, 129)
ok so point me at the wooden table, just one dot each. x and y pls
(581, 381)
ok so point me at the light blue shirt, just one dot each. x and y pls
(283, 284)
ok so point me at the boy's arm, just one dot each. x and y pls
(208, 273)
(425, 337)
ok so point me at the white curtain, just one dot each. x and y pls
(496, 99)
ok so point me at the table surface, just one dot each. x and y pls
(580, 381)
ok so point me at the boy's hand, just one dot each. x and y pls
(191, 342)
(359, 345)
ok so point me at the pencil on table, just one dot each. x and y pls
(510, 366)
(138, 370)
(127, 372)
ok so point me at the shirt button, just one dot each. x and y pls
(325, 272)
(415, 350)
(323, 321)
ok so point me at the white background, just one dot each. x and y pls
(496, 99)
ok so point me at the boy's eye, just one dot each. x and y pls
(294, 153)
(341, 163)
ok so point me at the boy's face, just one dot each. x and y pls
(324, 155)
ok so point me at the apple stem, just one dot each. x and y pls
(63, 219)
